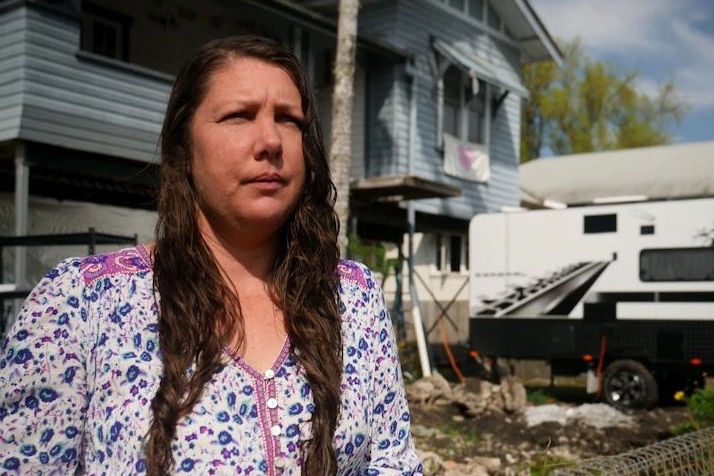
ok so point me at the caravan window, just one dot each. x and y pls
(600, 223)
(677, 264)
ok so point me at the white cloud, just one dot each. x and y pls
(660, 39)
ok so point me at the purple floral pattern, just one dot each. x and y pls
(80, 366)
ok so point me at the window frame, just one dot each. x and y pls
(93, 15)
(487, 17)
(466, 102)
(444, 257)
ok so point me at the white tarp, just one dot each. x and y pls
(466, 160)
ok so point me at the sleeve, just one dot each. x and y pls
(392, 447)
(43, 390)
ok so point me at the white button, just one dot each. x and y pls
(279, 462)
(272, 403)
(269, 373)
(275, 430)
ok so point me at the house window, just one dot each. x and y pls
(479, 10)
(439, 246)
(105, 32)
(476, 9)
(463, 109)
(451, 253)
(493, 20)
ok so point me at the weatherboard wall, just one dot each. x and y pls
(410, 25)
(12, 32)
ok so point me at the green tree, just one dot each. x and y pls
(588, 106)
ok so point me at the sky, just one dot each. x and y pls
(659, 39)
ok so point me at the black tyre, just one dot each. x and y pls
(628, 384)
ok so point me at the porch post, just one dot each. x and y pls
(416, 306)
(22, 194)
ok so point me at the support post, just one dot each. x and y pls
(22, 194)
(22, 198)
(416, 308)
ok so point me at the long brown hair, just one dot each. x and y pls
(198, 309)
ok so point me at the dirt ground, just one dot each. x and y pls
(508, 437)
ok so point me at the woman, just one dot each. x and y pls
(238, 343)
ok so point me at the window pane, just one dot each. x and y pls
(104, 37)
(452, 101)
(600, 223)
(683, 264)
(455, 254)
(438, 252)
(451, 119)
(458, 4)
(452, 84)
(477, 116)
(476, 9)
(476, 133)
(494, 21)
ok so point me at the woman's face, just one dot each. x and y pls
(247, 159)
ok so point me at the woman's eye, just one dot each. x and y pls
(237, 115)
(290, 119)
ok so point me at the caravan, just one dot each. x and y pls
(623, 292)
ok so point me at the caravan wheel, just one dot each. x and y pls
(628, 384)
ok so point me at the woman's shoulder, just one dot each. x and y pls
(124, 262)
(85, 271)
(356, 274)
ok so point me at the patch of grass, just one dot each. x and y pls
(683, 428)
(409, 358)
(538, 396)
(468, 433)
(546, 464)
(558, 393)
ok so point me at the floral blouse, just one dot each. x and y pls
(81, 364)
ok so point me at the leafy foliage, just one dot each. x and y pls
(588, 106)
(371, 254)
(701, 409)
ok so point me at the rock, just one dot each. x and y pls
(432, 463)
(429, 389)
(492, 465)
(475, 397)
(514, 394)
(419, 431)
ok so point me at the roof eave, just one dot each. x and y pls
(292, 9)
(549, 50)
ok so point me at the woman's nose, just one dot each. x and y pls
(269, 144)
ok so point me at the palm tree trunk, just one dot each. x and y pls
(342, 101)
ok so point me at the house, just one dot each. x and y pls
(83, 86)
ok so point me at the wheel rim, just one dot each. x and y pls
(627, 389)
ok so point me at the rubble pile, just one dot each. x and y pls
(479, 428)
